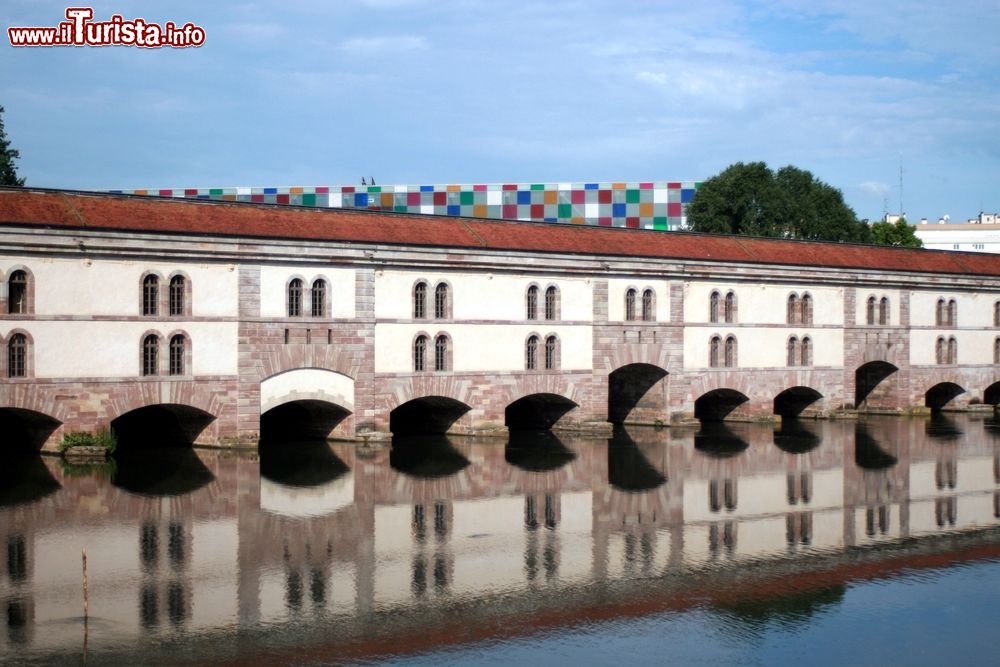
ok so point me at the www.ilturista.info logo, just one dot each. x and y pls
(80, 30)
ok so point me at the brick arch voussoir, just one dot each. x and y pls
(735, 380)
(41, 400)
(319, 356)
(544, 383)
(146, 394)
(422, 386)
(653, 354)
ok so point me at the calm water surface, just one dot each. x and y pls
(869, 542)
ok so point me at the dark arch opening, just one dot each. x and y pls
(426, 456)
(536, 412)
(940, 427)
(719, 440)
(868, 453)
(427, 415)
(298, 421)
(24, 479)
(795, 437)
(941, 394)
(792, 401)
(539, 451)
(633, 395)
(160, 472)
(300, 464)
(25, 430)
(628, 468)
(868, 377)
(715, 405)
(991, 396)
(164, 425)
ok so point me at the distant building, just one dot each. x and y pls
(981, 234)
(637, 205)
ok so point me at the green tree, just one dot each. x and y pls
(751, 199)
(8, 175)
(900, 234)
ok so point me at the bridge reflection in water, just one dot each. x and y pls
(352, 552)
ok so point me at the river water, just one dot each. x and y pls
(869, 542)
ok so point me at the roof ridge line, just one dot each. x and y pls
(750, 253)
(74, 210)
(473, 233)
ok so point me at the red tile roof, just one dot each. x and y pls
(55, 208)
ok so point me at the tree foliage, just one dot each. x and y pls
(750, 199)
(900, 234)
(8, 175)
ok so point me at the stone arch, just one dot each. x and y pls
(637, 393)
(304, 404)
(26, 430)
(868, 379)
(941, 394)
(991, 395)
(793, 401)
(717, 404)
(160, 424)
(426, 415)
(537, 411)
(317, 384)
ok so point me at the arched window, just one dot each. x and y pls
(441, 305)
(792, 309)
(939, 350)
(940, 316)
(996, 314)
(177, 345)
(630, 304)
(531, 303)
(713, 307)
(17, 293)
(807, 351)
(176, 298)
(883, 310)
(870, 311)
(793, 351)
(441, 353)
(730, 361)
(318, 298)
(730, 306)
(17, 356)
(150, 295)
(807, 308)
(420, 301)
(714, 351)
(420, 353)
(551, 353)
(551, 302)
(151, 355)
(996, 351)
(952, 350)
(531, 353)
(648, 305)
(953, 313)
(295, 298)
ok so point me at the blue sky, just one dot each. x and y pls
(322, 93)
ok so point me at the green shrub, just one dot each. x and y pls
(103, 438)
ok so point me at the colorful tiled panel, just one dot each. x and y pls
(645, 205)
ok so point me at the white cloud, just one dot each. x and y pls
(874, 188)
